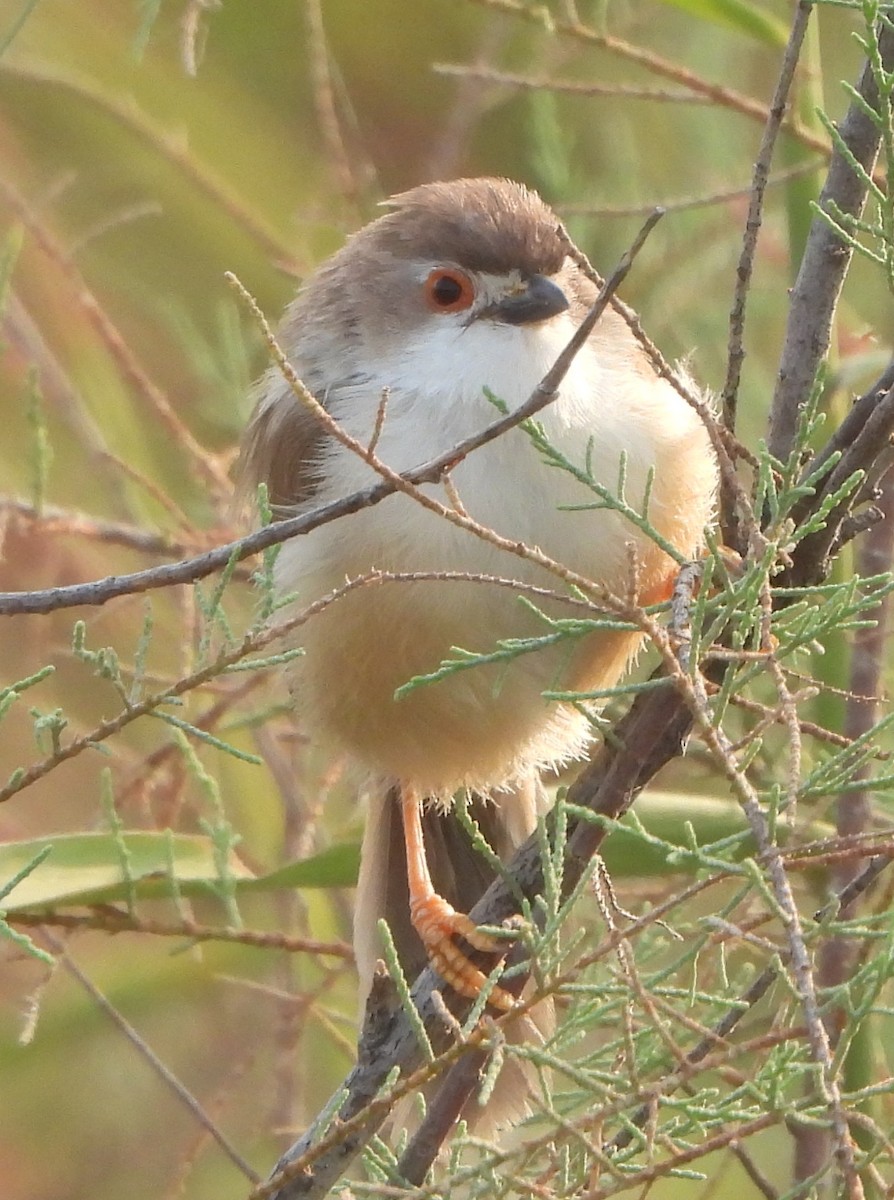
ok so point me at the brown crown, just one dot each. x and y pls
(489, 225)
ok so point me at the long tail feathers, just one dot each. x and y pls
(461, 874)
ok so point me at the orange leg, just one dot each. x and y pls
(437, 922)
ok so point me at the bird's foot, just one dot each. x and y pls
(438, 924)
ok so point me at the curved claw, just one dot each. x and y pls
(437, 924)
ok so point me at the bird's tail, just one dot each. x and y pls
(461, 874)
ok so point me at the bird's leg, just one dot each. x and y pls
(438, 922)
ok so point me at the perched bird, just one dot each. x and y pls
(461, 289)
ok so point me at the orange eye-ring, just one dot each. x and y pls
(448, 290)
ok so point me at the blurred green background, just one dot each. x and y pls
(145, 150)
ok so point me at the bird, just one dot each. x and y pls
(461, 296)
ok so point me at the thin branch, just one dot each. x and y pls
(843, 438)
(715, 93)
(810, 558)
(53, 521)
(113, 920)
(188, 571)
(207, 464)
(150, 1057)
(575, 87)
(470, 101)
(336, 152)
(253, 641)
(687, 202)
(736, 353)
(442, 1113)
(170, 146)
(656, 725)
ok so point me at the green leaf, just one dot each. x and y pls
(335, 867)
(664, 818)
(740, 15)
(87, 868)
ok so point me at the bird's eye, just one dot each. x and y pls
(448, 290)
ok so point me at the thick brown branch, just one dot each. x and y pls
(868, 449)
(826, 259)
(650, 735)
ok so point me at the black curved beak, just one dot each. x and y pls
(537, 299)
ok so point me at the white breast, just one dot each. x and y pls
(362, 649)
(437, 398)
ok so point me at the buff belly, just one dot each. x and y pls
(480, 727)
(484, 726)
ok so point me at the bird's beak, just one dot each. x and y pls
(536, 299)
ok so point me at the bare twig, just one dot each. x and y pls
(715, 93)
(149, 1056)
(470, 101)
(114, 920)
(687, 203)
(170, 146)
(194, 33)
(208, 465)
(188, 571)
(575, 87)
(736, 353)
(442, 1113)
(337, 154)
(55, 521)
